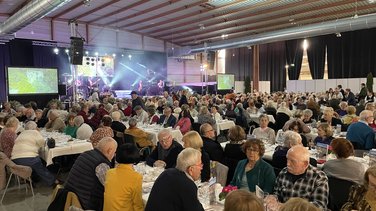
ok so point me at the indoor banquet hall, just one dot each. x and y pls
(187, 105)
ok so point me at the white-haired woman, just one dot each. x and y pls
(8, 135)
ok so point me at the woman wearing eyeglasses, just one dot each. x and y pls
(254, 170)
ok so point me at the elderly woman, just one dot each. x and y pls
(7, 109)
(339, 168)
(8, 135)
(26, 152)
(121, 194)
(254, 170)
(184, 123)
(325, 134)
(84, 130)
(350, 117)
(270, 108)
(205, 117)
(193, 140)
(54, 122)
(251, 107)
(329, 118)
(71, 128)
(104, 131)
(342, 111)
(233, 151)
(153, 117)
(307, 117)
(142, 138)
(363, 197)
(264, 132)
(291, 139)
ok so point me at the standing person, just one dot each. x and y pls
(183, 98)
(136, 100)
(124, 194)
(363, 91)
(175, 188)
(87, 177)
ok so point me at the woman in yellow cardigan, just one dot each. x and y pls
(123, 185)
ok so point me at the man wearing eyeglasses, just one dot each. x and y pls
(166, 152)
(175, 188)
(211, 145)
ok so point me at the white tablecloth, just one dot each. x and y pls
(224, 125)
(62, 146)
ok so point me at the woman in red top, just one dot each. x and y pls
(184, 123)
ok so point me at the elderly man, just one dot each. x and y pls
(141, 115)
(54, 122)
(360, 133)
(175, 188)
(167, 119)
(142, 138)
(300, 179)
(211, 145)
(291, 139)
(84, 131)
(25, 152)
(87, 176)
(166, 152)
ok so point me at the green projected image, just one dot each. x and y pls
(23, 80)
(225, 82)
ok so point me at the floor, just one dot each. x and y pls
(19, 200)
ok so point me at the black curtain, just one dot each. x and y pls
(45, 57)
(316, 56)
(294, 57)
(352, 55)
(272, 65)
(239, 62)
(21, 53)
(4, 62)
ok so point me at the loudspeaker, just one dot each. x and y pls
(211, 60)
(62, 89)
(76, 50)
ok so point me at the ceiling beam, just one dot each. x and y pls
(118, 11)
(165, 13)
(143, 12)
(250, 30)
(182, 17)
(236, 18)
(96, 9)
(77, 5)
(236, 22)
(208, 17)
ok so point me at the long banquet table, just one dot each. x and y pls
(63, 146)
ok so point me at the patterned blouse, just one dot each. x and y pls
(7, 138)
(100, 133)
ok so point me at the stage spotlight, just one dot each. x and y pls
(113, 55)
(56, 51)
(67, 50)
(87, 53)
(122, 55)
(130, 57)
(96, 54)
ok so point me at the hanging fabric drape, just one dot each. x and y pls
(316, 56)
(294, 56)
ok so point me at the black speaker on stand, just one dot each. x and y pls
(76, 50)
(62, 89)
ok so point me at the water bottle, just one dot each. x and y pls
(338, 129)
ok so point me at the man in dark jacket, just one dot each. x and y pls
(167, 119)
(136, 100)
(211, 145)
(87, 176)
(166, 152)
(175, 188)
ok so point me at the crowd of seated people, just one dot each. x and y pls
(312, 115)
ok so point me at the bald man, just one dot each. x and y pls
(360, 133)
(300, 179)
(87, 176)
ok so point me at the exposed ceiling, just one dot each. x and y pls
(192, 22)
